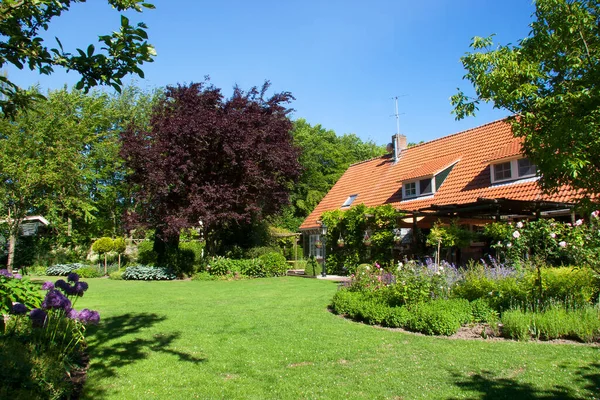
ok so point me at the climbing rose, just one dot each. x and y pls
(553, 235)
(562, 244)
(516, 234)
(519, 224)
(595, 214)
(579, 222)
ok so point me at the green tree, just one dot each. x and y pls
(325, 157)
(119, 246)
(104, 246)
(550, 82)
(22, 45)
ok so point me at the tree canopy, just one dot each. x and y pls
(22, 45)
(210, 159)
(550, 82)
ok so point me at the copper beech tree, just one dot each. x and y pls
(207, 158)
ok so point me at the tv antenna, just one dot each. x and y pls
(395, 98)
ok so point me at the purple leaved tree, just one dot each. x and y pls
(210, 159)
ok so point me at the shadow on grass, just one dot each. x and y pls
(488, 386)
(107, 356)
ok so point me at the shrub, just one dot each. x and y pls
(14, 289)
(116, 275)
(88, 272)
(313, 268)
(221, 266)
(63, 269)
(204, 276)
(37, 270)
(147, 273)
(397, 317)
(345, 302)
(274, 264)
(252, 268)
(195, 247)
(440, 317)
(146, 254)
(482, 312)
(256, 252)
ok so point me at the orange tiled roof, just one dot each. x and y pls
(510, 149)
(379, 181)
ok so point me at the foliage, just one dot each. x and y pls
(209, 159)
(449, 236)
(119, 245)
(122, 52)
(440, 317)
(55, 337)
(204, 276)
(146, 273)
(354, 224)
(63, 269)
(482, 312)
(88, 272)
(313, 268)
(15, 289)
(116, 275)
(273, 264)
(324, 158)
(103, 245)
(146, 254)
(554, 323)
(548, 81)
(256, 252)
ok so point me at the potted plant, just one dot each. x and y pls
(397, 239)
(367, 241)
(340, 242)
(318, 244)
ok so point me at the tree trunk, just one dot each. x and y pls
(105, 269)
(119, 261)
(12, 241)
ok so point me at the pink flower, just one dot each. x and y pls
(562, 244)
(596, 214)
(509, 244)
(579, 222)
(553, 235)
(516, 234)
(519, 224)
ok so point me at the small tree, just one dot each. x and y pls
(103, 246)
(119, 245)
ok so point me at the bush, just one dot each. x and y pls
(147, 273)
(482, 312)
(274, 264)
(252, 268)
(397, 317)
(146, 254)
(204, 276)
(440, 317)
(63, 269)
(256, 252)
(103, 245)
(116, 275)
(37, 270)
(88, 272)
(345, 302)
(554, 323)
(313, 268)
(17, 290)
(196, 248)
(221, 266)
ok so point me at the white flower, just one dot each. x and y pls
(441, 268)
(509, 244)
(499, 243)
(579, 222)
(596, 214)
(553, 235)
(519, 224)
(562, 244)
(516, 234)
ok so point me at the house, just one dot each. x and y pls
(477, 175)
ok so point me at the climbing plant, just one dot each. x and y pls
(360, 234)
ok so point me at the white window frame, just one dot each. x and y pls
(417, 183)
(514, 170)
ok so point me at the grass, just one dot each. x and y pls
(275, 339)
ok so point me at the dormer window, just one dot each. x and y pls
(513, 169)
(410, 189)
(420, 187)
(349, 200)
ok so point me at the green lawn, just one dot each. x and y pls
(275, 339)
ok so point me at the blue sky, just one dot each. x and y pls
(344, 61)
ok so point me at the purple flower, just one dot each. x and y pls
(80, 287)
(4, 272)
(73, 277)
(18, 276)
(72, 314)
(19, 309)
(48, 285)
(88, 317)
(57, 300)
(38, 317)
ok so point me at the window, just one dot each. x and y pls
(425, 186)
(349, 200)
(502, 171)
(410, 189)
(526, 167)
(312, 248)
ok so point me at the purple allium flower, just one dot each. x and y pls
(48, 285)
(18, 276)
(4, 272)
(19, 309)
(55, 299)
(80, 287)
(72, 314)
(88, 317)
(61, 284)
(73, 277)
(38, 317)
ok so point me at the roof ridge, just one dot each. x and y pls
(459, 133)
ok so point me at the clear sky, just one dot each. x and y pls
(344, 61)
